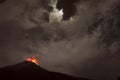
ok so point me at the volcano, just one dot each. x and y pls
(28, 70)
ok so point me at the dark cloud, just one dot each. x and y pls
(2, 1)
(69, 8)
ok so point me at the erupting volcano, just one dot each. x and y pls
(33, 60)
(29, 70)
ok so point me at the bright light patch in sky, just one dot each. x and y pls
(56, 15)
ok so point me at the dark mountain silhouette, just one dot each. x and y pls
(30, 71)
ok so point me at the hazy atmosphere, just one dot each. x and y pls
(76, 37)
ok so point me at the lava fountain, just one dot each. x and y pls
(33, 60)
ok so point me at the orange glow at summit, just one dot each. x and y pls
(33, 60)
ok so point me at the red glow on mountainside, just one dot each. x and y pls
(33, 60)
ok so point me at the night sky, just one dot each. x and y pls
(85, 42)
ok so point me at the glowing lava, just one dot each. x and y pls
(33, 60)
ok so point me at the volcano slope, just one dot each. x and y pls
(30, 71)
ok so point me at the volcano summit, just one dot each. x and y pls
(28, 70)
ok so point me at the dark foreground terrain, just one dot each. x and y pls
(30, 71)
